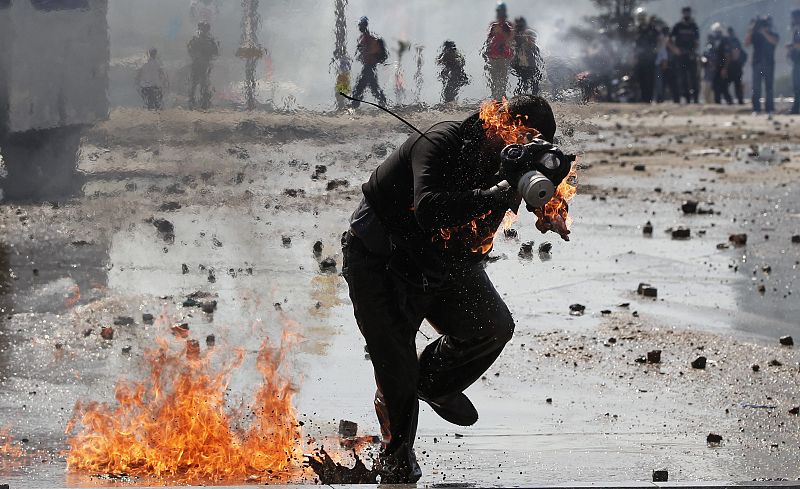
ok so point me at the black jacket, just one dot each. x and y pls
(430, 196)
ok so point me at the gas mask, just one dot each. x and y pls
(543, 167)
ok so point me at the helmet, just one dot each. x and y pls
(501, 7)
(717, 28)
(364, 20)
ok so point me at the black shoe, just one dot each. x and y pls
(457, 409)
(399, 468)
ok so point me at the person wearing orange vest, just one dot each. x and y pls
(498, 52)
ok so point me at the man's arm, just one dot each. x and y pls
(435, 205)
(770, 36)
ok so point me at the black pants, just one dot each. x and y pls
(473, 320)
(369, 79)
(646, 78)
(200, 76)
(721, 86)
(153, 97)
(688, 78)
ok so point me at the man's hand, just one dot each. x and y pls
(545, 223)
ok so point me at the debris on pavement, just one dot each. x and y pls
(328, 265)
(786, 341)
(107, 333)
(699, 363)
(738, 239)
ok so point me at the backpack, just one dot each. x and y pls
(383, 53)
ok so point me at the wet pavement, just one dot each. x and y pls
(234, 188)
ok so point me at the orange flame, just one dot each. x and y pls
(176, 427)
(474, 234)
(508, 220)
(12, 455)
(498, 122)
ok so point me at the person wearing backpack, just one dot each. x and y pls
(498, 52)
(371, 51)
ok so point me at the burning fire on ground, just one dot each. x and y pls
(498, 121)
(176, 426)
(12, 455)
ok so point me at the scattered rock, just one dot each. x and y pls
(647, 290)
(605, 312)
(126, 350)
(124, 321)
(294, 192)
(738, 239)
(762, 289)
(148, 318)
(526, 250)
(787, 341)
(348, 429)
(660, 476)
(654, 356)
(165, 229)
(713, 439)
(209, 307)
(286, 241)
(180, 330)
(216, 242)
(169, 207)
(795, 410)
(699, 363)
(328, 265)
(318, 246)
(611, 341)
(755, 367)
(577, 309)
(775, 363)
(648, 229)
(681, 233)
(689, 207)
(107, 333)
(175, 188)
(184, 268)
(639, 168)
(336, 183)
(796, 239)
(211, 340)
(723, 246)
(549, 400)
(545, 247)
(510, 233)
(319, 172)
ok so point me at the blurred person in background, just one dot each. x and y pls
(370, 51)
(498, 52)
(665, 76)
(721, 49)
(645, 53)
(764, 40)
(794, 56)
(526, 63)
(736, 60)
(152, 81)
(203, 49)
(686, 38)
(452, 74)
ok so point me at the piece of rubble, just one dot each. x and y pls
(328, 265)
(208, 307)
(723, 246)
(647, 290)
(689, 207)
(795, 410)
(294, 192)
(549, 400)
(526, 250)
(713, 439)
(648, 229)
(336, 183)
(286, 241)
(124, 321)
(147, 318)
(211, 340)
(126, 350)
(107, 333)
(169, 206)
(787, 341)
(775, 363)
(762, 289)
(347, 429)
(660, 476)
(184, 269)
(510, 233)
(755, 367)
(639, 168)
(738, 239)
(318, 249)
(654, 356)
(166, 229)
(545, 247)
(699, 363)
(180, 330)
(319, 171)
(681, 232)
(796, 239)
(577, 309)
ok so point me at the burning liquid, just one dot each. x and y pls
(176, 427)
(497, 121)
(12, 455)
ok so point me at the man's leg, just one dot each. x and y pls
(194, 80)
(757, 76)
(683, 78)
(694, 74)
(375, 87)
(205, 89)
(361, 85)
(389, 324)
(769, 82)
(475, 325)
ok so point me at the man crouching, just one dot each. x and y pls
(414, 251)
